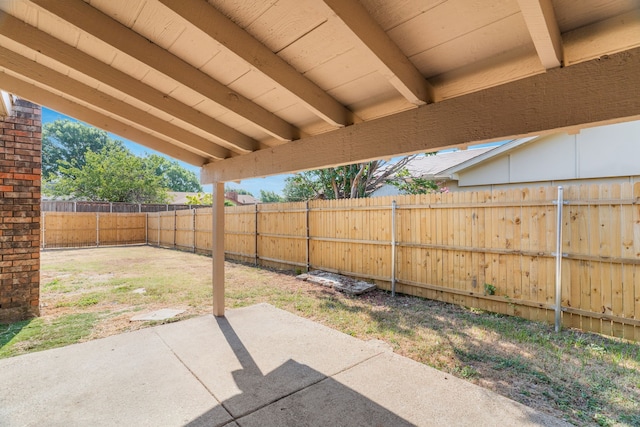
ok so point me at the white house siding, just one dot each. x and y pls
(595, 155)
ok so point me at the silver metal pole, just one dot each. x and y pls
(308, 236)
(255, 254)
(558, 254)
(393, 248)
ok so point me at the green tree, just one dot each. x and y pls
(174, 176)
(413, 185)
(113, 174)
(301, 187)
(205, 199)
(270, 197)
(67, 141)
(353, 181)
(240, 191)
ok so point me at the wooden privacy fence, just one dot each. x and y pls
(494, 250)
(81, 229)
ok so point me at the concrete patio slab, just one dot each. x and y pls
(259, 366)
(130, 379)
(266, 356)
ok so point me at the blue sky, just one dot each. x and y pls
(273, 183)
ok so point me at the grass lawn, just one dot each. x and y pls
(584, 378)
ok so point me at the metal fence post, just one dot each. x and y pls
(255, 258)
(558, 255)
(193, 226)
(308, 239)
(393, 248)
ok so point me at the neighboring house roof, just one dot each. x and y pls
(449, 171)
(558, 157)
(241, 199)
(245, 199)
(429, 167)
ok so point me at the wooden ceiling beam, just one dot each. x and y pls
(122, 38)
(394, 64)
(22, 66)
(596, 92)
(544, 31)
(612, 35)
(53, 48)
(240, 43)
(70, 108)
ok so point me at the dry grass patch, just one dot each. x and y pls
(586, 379)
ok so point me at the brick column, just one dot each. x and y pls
(20, 172)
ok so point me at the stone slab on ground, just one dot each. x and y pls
(337, 281)
(165, 313)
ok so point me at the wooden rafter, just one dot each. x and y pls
(20, 65)
(595, 92)
(543, 27)
(52, 100)
(101, 26)
(223, 30)
(612, 35)
(53, 48)
(394, 65)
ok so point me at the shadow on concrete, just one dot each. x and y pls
(318, 401)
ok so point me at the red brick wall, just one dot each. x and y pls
(20, 171)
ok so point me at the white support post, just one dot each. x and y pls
(217, 249)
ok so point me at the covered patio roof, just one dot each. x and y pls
(253, 88)
(249, 88)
